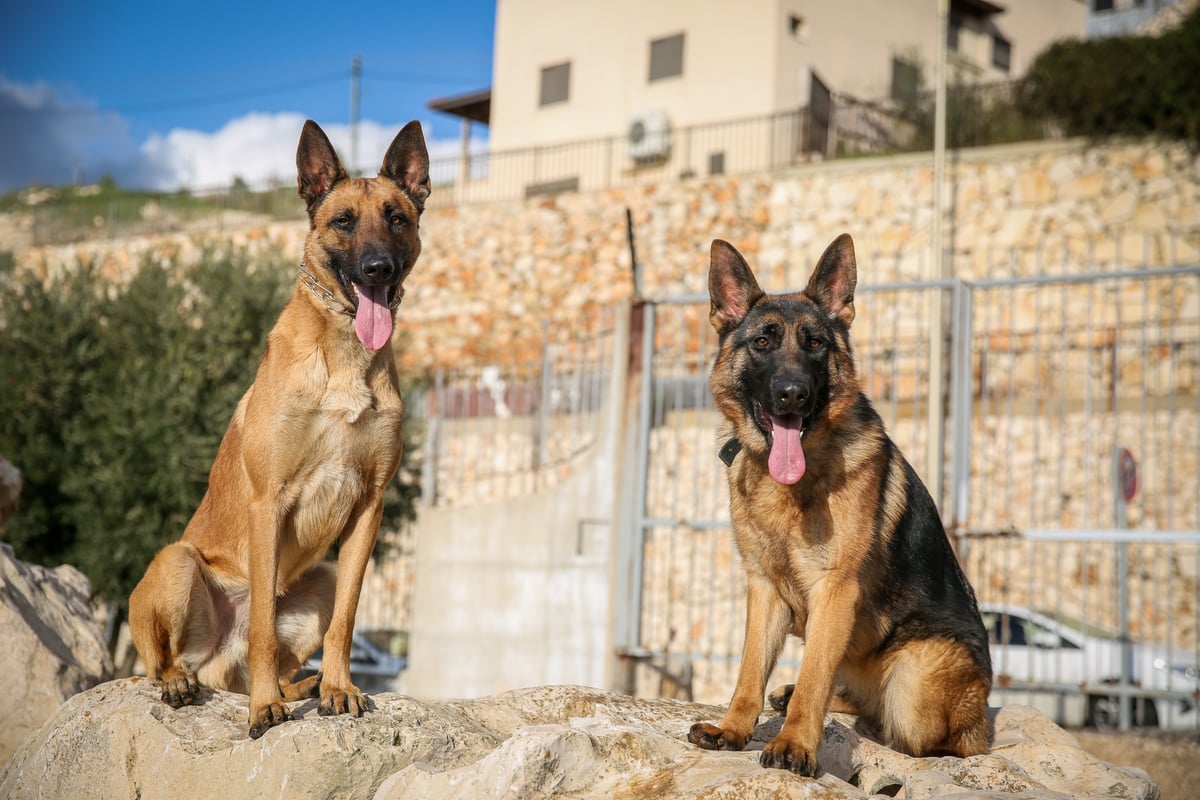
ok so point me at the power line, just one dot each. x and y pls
(171, 105)
(410, 77)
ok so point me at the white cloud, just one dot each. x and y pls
(260, 148)
(51, 136)
(48, 140)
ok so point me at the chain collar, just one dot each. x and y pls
(326, 296)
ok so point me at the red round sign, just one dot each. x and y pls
(1127, 474)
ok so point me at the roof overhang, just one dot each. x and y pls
(981, 8)
(475, 106)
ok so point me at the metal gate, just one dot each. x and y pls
(1010, 411)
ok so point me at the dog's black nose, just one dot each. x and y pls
(378, 268)
(790, 395)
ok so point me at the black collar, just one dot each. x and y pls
(729, 451)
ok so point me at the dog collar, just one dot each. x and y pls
(326, 296)
(729, 451)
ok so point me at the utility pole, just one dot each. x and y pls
(936, 420)
(355, 80)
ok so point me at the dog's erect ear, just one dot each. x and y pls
(407, 162)
(832, 283)
(731, 287)
(317, 165)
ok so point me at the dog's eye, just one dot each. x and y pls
(343, 221)
(397, 219)
(814, 343)
(761, 342)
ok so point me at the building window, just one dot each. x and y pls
(666, 57)
(797, 27)
(716, 163)
(556, 84)
(1100, 6)
(954, 26)
(906, 80)
(1001, 53)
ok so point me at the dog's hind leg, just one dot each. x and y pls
(840, 704)
(173, 622)
(300, 624)
(935, 701)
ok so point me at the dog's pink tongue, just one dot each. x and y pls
(786, 461)
(373, 322)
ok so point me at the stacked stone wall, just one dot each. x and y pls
(490, 275)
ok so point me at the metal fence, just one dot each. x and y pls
(1046, 376)
(833, 125)
(494, 433)
(728, 147)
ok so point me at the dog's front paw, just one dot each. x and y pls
(180, 691)
(266, 717)
(710, 737)
(337, 701)
(786, 753)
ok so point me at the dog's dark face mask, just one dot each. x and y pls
(776, 351)
(364, 231)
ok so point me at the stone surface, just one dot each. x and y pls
(118, 740)
(53, 647)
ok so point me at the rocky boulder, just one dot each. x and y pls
(52, 648)
(118, 740)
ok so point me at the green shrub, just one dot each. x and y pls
(1120, 86)
(113, 402)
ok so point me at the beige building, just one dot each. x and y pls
(633, 71)
(572, 70)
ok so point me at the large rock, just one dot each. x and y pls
(52, 646)
(118, 740)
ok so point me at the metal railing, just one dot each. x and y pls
(498, 432)
(977, 115)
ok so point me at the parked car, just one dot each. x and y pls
(1061, 666)
(371, 668)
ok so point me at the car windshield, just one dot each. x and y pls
(1086, 628)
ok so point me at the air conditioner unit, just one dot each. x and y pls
(649, 136)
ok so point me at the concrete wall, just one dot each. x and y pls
(517, 592)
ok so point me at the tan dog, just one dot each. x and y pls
(246, 596)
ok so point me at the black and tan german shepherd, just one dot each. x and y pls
(841, 542)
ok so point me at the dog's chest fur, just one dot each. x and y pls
(333, 417)
(795, 537)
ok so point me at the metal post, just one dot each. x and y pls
(1120, 522)
(464, 163)
(961, 406)
(541, 430)
(935, 452)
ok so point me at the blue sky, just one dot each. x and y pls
(173, 94)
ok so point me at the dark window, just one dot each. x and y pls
(796, 26)
(906, 80)
(716, 163)
(954, 26)
(1102, 5)
(1001, 53)
(666, 57)
(556, 84)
